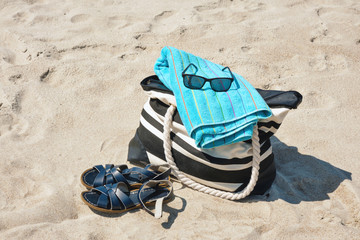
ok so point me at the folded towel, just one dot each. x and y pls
(211, 118)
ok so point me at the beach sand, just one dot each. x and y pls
(70, 98)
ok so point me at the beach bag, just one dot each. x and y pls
(231, 171)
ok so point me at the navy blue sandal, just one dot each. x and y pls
(118, 198)
(134, 177)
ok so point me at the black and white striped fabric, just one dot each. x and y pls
(226, 167)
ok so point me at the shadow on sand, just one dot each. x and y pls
(173, 212)
(301, 177)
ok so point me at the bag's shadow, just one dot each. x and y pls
(301, 177)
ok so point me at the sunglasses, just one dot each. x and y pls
(221, 84)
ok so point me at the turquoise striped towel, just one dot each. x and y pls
(211, 118)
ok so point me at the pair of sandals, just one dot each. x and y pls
(117, 189)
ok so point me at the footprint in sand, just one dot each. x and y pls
(80, 18)
(212, 5)
(9, 111)
(15, 78)
(33, 1)
(20, 17)
(43, 19)
(206, 7)
(6, 123)
(348, 203)
(328, 62)
(118, 21)
(13, 49)
(163, 23)
(336, 14)
(253, 7)
(318, 63)
(250, 6)
(24, 196)
(319, 100)
(46, 75)
(18, 122)
(3, 200)
(128, 56)
(342, 209)
(321, 33)
(245, 48)
(296, 4)
(16, 104)
(110, 149)
(9, 121)
(140, 47)
(7, 55)
(163, 15)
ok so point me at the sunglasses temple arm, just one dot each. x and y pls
(191, 64)
(229, 71)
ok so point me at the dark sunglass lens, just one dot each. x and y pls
(193, 82)
(221, 84)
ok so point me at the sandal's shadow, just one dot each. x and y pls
(301, 177)
(173, 213)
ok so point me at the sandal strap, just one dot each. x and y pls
(104, 196)
(147, 174)
(115, 203)
(110, 173)
(142, 173)
(100, 178)
(115, 194)
(118, 176)
(164, 175)
(159, 201)
(120, 191)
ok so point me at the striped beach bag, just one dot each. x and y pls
(231, 171)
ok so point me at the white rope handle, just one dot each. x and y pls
(199, 187)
